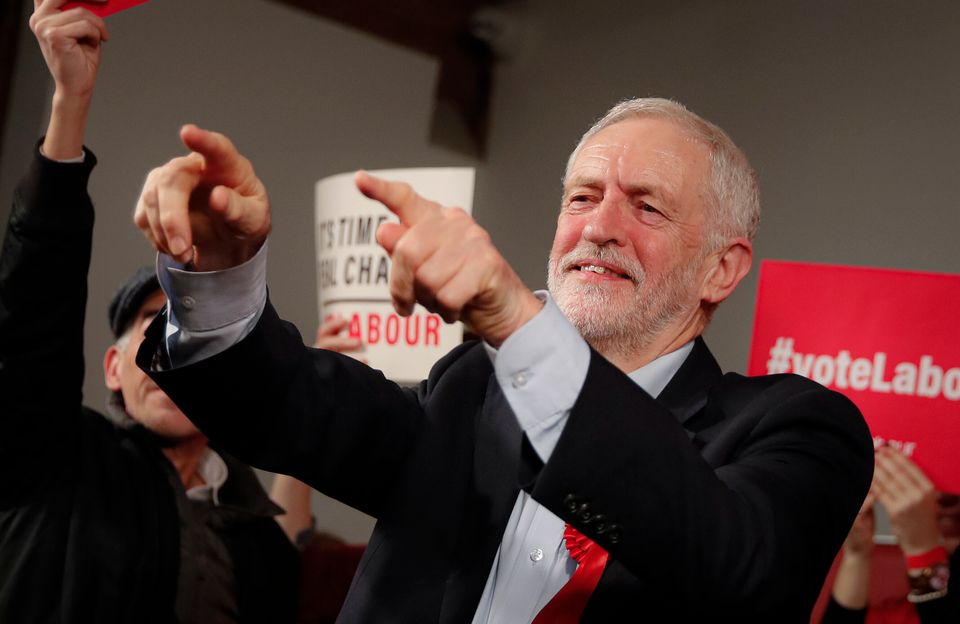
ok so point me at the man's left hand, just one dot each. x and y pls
(447, 263)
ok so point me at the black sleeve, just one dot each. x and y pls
(753, 519)
(320, 416)
(43, 292)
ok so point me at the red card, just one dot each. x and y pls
(887, 339)
(106, 8)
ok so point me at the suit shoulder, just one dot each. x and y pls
(788, 392)
(786, 384)
(793, 398)
(469, 355)
(463, 361)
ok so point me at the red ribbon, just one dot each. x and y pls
(568, 605)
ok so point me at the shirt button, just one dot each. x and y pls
(536, 555)
(520, 379)
(188, 303)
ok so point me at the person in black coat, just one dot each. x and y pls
(126, 516)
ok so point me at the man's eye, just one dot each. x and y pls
(647, 208)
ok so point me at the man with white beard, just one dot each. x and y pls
(587, 461)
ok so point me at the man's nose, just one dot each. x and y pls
(606, 226)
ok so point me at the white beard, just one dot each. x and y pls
(610, 321)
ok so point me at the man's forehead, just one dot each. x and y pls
(648, 151)
(596, 159)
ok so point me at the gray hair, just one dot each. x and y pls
(731, 190)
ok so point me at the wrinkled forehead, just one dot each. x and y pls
(643, 150)
(600, 154)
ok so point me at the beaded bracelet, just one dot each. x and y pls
(928, 583)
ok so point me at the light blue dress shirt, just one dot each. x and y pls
(541, 369)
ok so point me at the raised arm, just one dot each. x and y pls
(71, 45)
(46, 253)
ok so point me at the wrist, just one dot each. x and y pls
(68, 102)
(851, 586)
(68, 123)
(528, 306)
(913, 546)
(206, 260)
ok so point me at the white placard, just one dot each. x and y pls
(353, 270)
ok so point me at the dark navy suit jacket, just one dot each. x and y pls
(725, 499)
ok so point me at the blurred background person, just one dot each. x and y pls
(126, 516)
(915, 583)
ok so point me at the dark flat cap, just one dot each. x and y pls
(127, 300)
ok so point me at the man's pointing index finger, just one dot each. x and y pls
(219, 153)
(398, 197)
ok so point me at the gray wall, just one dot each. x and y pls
(847, 108)
(26, 111)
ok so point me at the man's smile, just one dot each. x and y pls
(599, 269)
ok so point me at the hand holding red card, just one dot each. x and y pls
(104, 8)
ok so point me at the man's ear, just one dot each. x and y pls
(111, 368)
(729, 267)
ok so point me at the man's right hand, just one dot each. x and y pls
(207, 208)
(443, 260)
(70, 42)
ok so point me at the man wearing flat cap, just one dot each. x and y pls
(126, 516)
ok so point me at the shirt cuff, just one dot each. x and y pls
(541, 369)
(69, 161)
(208, 312)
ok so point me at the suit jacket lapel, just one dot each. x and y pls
(686, 394)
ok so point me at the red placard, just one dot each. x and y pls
(887, 339)
(104, 9)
